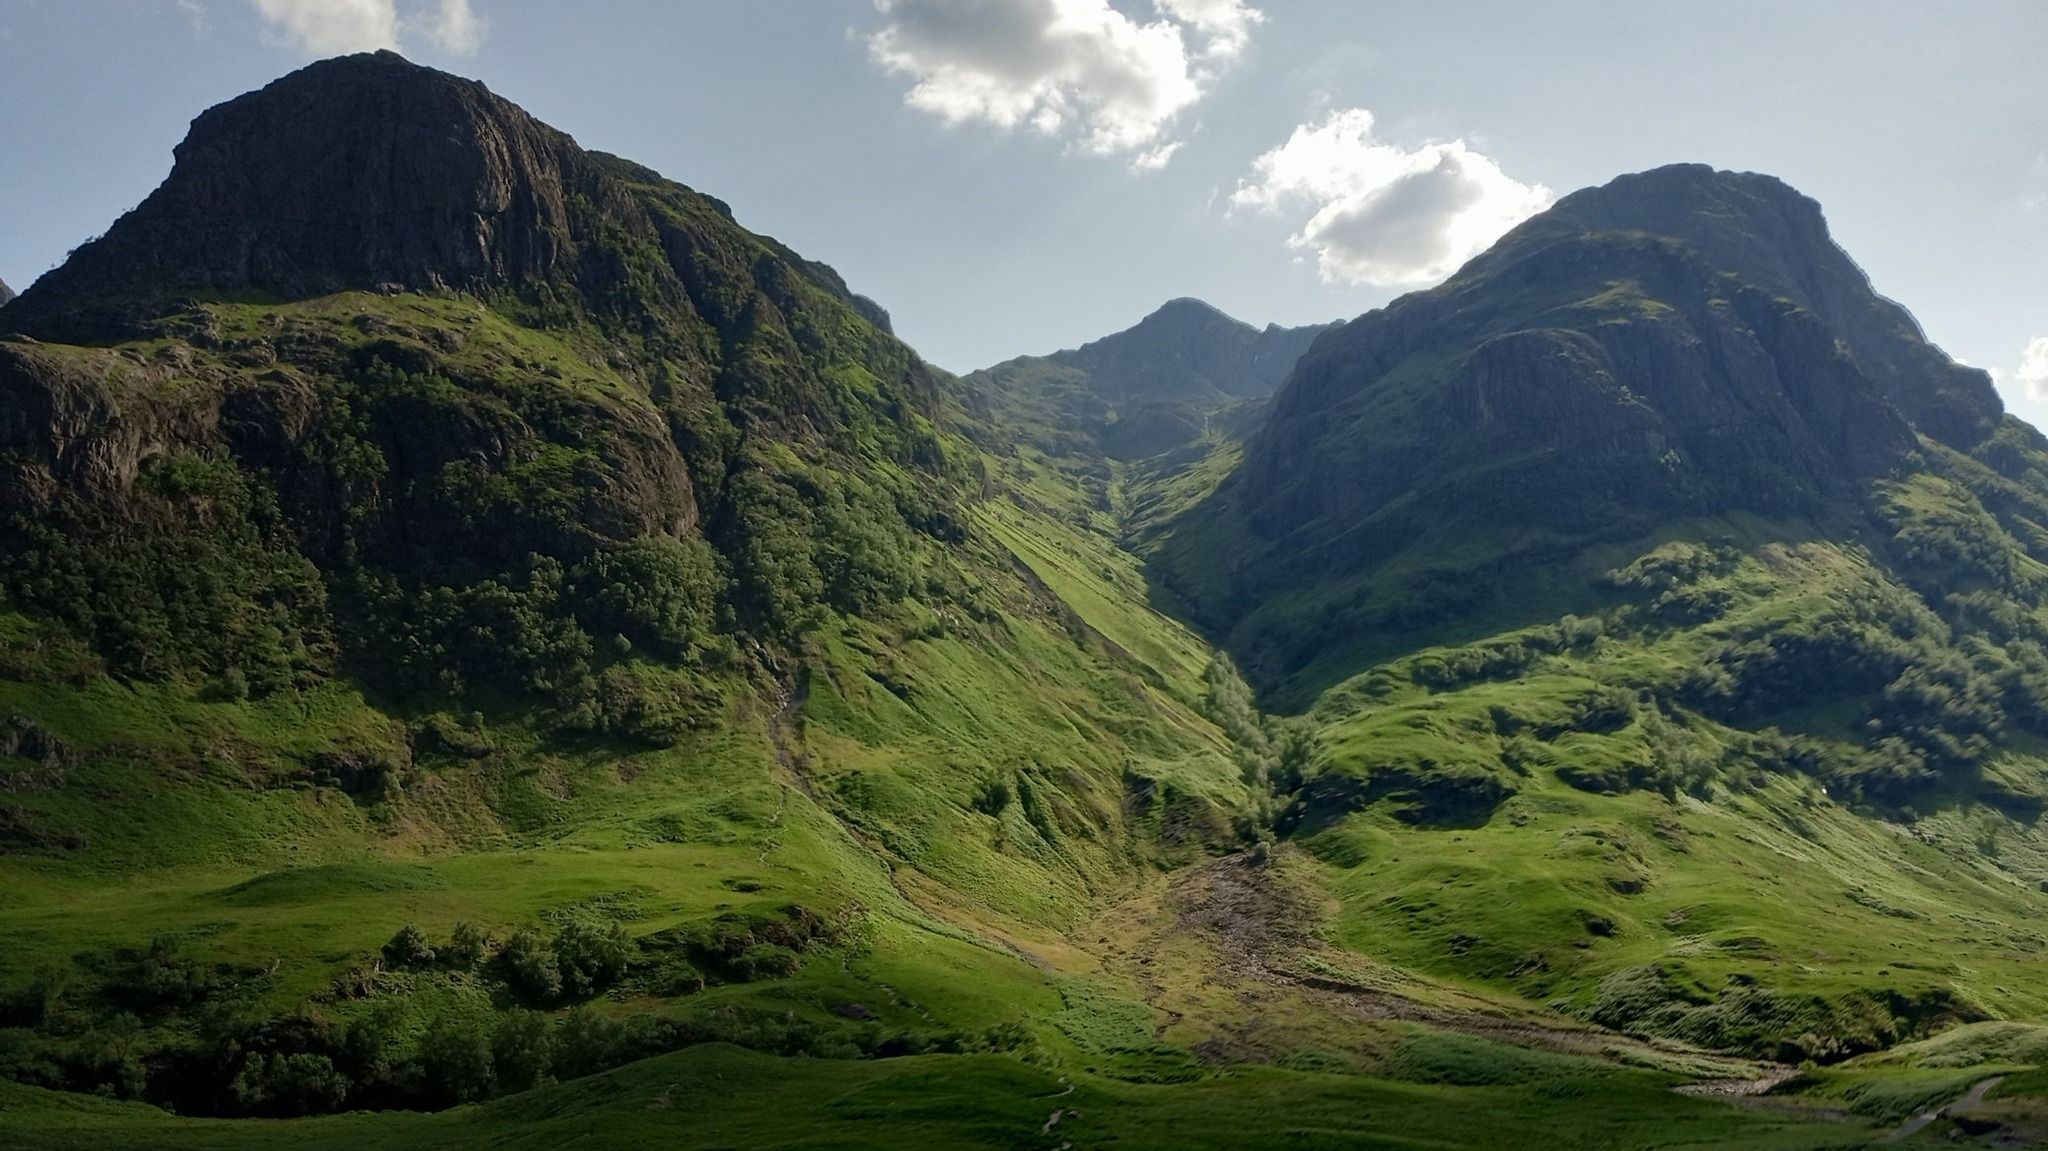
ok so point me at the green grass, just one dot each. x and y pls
(722, 1097)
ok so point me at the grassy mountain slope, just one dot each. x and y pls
(534, 661)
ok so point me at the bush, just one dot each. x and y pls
(408, 949)
(466, 947)
(529, 969)
(590, 959)
(289, 1085)
(456, 1058)
(522, 1050)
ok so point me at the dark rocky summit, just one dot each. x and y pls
(370, 172)
(383, 326)
(1678, 344)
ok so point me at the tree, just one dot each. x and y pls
(590, 959)
(522, 1050)
(529, 968)
(456, 1056)
(408, 948)
(466, 947)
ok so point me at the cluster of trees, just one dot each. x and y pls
(155, 1023)
(1275, 756)
(213, 589)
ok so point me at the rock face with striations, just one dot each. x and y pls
(1679, 344)
(356, 173)
(420, 340)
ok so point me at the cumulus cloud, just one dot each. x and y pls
(1383, 214)
(2032, 376)
(456, 28)
(1225, 25)
(335, 27)
(332, 27)
(1077, 67)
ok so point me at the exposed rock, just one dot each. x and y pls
(378, 321)
(1679, 344)
(6, 293)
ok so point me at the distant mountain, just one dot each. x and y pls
(6, 293)
(1183, 370)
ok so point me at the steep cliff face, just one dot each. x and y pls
(355, 173)
(396, 328)
(1760, 229)
(1676, 345)
(1184, 370)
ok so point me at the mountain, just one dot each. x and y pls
(1675, 345)
(483, 632)
(6, 294)
(402, 497)
(1651, 539)
(1177, 373)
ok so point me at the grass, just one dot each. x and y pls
(724, 1097)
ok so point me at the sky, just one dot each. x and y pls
(1016, 176)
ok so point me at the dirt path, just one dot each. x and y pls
(789, 708)
(1260, 927)
(1969, 1101)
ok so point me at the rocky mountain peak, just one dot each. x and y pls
(6, 293)
(362, 171)
(1761, 230)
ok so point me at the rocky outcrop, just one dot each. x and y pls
(1761, 230)
(353, 173)
(369, 172)
(6, 294)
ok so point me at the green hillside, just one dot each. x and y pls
(529, 661)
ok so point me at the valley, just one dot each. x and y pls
(528, 661)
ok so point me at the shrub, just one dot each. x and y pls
(529, 969)
(590, 959)
(408, 949)
(466, 947)
(522, 1050)
(455, 1055)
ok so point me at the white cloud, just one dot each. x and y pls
(2032, 376)
(336, 27)
(1382, 214)
(456, 28)
(1226, 24)
(1062, 66)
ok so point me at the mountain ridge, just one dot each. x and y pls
(554, 633)
(1184, 370)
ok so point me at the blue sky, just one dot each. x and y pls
(1015, 176)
